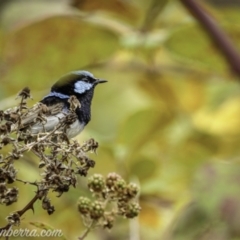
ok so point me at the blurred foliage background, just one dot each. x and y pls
(168, 119)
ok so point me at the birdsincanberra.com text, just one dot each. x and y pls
(24, 232)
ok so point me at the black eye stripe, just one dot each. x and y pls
(89, 79)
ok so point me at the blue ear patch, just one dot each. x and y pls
(81, 87)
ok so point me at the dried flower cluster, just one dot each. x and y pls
(60, 160)
(112, 197)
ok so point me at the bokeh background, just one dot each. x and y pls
(168, 118)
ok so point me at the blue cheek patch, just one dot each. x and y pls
(81, 87)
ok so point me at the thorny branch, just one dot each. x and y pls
(60, 160)
(29, 206)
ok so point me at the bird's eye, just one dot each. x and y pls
(88, 80)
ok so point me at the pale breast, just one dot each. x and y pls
(52, 121)
(74, 129)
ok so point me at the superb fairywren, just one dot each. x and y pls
(80, 84)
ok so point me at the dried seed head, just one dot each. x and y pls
(43, 108)
(3, 189)
(5, 128)
(74, 103)
(96, 183)
(84, 205)
(97, 210)
(14, 219)
(10, 196)
(46, 205)
(12, 117)
(1, 115)
(25, 93)
(108, 221)
(111, 179)
(132, 210)
(90, 145)
(6, 140)
(132, 190)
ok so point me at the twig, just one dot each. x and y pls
(26, 182)
(87, 230)
(222, 41)
(26, 208)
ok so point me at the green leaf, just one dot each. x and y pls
(49, 48)
(192, 45)
(14, 14)
(144, 168)
(137, 127)
(154, 10)
(122, 8)
(141, 128)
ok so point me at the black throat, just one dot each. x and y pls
(84, 112)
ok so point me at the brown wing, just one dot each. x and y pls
(39, 114)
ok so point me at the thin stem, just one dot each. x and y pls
(90, 227)
(222, 41)
(22, 211)
(30, 204)
(26, 182)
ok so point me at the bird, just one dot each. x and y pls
(76, 87)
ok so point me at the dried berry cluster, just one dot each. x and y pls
(114, 197)
(60, 160)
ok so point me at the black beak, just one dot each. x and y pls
(100, 81)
